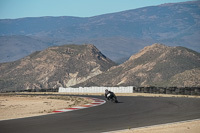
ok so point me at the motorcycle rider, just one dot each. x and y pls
(109, 95)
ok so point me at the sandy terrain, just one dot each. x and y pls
(183, 127)
(25, 106)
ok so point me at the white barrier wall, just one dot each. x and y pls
(128, 89)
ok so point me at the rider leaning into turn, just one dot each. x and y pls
(109, 94)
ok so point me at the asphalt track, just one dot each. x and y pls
(131, 112)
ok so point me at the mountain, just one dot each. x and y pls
(155, 65)
(117, 35)
(186, 78)
(15, 47)
(57, 66)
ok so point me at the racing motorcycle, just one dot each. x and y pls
(112, 98)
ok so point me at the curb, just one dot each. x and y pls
(96, 102)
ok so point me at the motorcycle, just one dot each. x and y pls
(112, 98)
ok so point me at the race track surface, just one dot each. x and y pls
(131, 112)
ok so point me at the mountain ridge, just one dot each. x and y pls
(174, 24)
(155, 65)
(56, 66)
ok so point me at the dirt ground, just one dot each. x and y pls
(182, 127)
(18, 106)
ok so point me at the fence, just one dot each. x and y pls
(128, 89)
(168, 90)
(132, 89)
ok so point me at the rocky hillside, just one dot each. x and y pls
(155, 65)
(65, 66)
(186, 78)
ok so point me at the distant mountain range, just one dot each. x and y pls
(117, 35)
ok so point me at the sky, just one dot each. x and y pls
(11, 9)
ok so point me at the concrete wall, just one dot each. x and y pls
(128, 89)
(131, 89)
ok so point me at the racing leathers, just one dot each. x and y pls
(109, 95)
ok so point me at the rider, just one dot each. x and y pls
(109, 95)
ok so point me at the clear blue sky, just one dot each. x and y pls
(80, 8)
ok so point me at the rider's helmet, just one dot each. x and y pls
(106, 90)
